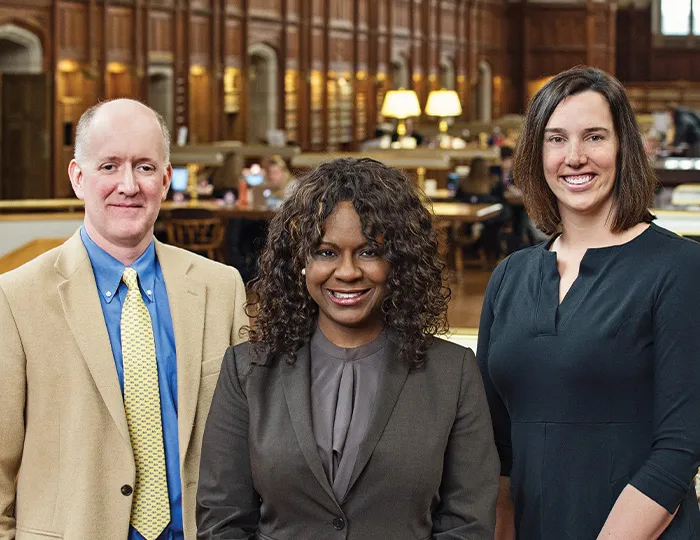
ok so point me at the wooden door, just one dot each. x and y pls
(25, 138)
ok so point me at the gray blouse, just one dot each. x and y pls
(344, 385)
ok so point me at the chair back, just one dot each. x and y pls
(196, 230)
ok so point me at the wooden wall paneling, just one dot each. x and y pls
(400, 17)
(436, 40)
(389, 45)
(160, 36)
(459, 53)
(59, 180)
(140, 53)
(181, 67)
(326, 61)
(93, 45)
(72, 34)
(199, 76)
(372, 67)
(199, 40)
(558, 39)
(235, 8)
(217, 63)
(354, 81)
(282, 67)
(304, 79)
(411, 61)
(363, 19)
(639, 59)
(293, 10)
(266, 9)
(612, 46)
(590, 34)
(425, 56)
(292, 82)
(119, 32)
(243, 114)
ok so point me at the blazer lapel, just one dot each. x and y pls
(390, 386)
(83, 311)
(187, 300)
(297, 390)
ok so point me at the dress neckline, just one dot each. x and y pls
(546, 246)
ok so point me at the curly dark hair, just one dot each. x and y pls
(389, 206)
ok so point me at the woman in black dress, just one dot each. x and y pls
(589, 344)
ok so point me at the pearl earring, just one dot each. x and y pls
(303, 271)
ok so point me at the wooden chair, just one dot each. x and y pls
(199, 231)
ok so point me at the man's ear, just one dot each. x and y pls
(76, 179)
(167, 177)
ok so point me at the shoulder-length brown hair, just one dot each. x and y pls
(635, 180)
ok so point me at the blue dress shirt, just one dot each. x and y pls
(108, 276)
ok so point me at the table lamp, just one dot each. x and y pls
(401, 104)
(443, 103)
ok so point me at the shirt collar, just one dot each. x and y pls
(108, 270)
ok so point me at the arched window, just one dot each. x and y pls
(680, 17)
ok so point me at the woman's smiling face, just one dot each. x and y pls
(580, 155)
(347, 277)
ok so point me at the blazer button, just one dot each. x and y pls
(338, 524)
(127, 490)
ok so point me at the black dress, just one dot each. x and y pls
(598, 392)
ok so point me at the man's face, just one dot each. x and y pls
(122, 176)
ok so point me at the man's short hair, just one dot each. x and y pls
(83, 127)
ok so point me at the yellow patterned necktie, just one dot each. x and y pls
(150, 508)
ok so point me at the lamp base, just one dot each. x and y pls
(401, 128)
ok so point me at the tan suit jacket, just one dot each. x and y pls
(63, 432)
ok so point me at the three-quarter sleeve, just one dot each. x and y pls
(228, 506)
(499, 413)
(469, 485)
(667, 474)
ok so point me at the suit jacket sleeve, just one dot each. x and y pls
(467, 508)
(228, 506)
(240, 319)
(12, 399)
(499, 412)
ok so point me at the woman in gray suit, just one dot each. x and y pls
(344, 416)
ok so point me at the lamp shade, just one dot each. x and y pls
(443, 103)
(400, 104)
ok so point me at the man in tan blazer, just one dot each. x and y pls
(67, 446)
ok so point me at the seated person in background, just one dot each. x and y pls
(410, 132)
(205, 186)
(686, 123)
(278, 177)
(512, 196)
(480, 186)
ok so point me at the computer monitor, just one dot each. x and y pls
(253, 179)
(180, 179)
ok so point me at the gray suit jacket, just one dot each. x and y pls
(427, 467)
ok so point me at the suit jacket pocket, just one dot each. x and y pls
(212, 366)
(27, 533)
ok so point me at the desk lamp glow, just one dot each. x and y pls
(400, 104)
(443, 104)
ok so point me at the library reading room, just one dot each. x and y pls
(467, 207)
